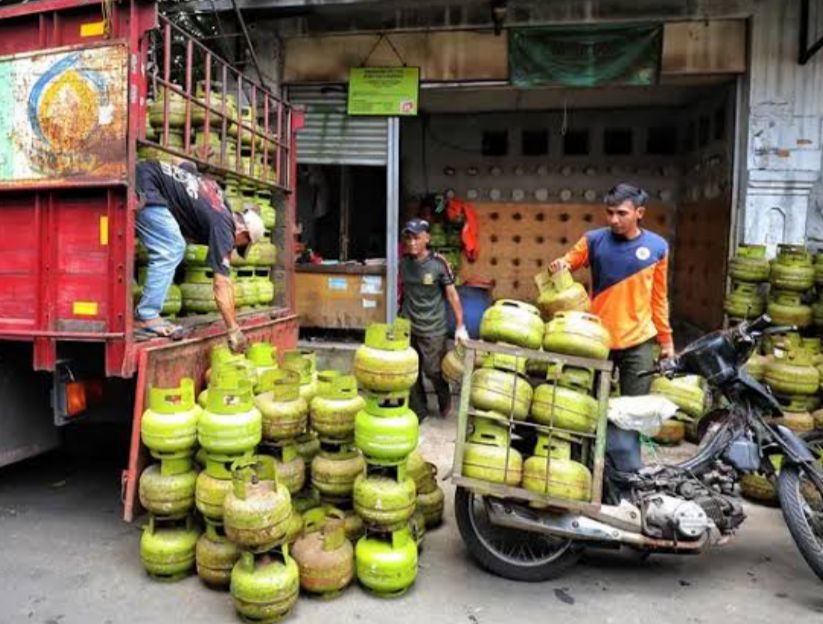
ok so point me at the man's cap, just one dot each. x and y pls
(254, 225)
(416, 226)
(187, 165)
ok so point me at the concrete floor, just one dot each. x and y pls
(67, 558)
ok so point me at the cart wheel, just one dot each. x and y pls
(510, 553)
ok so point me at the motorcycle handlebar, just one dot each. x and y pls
(663, 367)
(761, 323)
(780, 329)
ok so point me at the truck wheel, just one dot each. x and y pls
(510, 553)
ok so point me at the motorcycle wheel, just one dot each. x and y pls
(814, 442)
(510, 553)
(802, 504)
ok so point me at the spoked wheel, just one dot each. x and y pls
(510, 553)
(802, 503)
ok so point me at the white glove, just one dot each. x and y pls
(460, 334)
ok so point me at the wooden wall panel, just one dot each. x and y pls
(710, 47)
(336, 299)
(519, 240)
(689, 48)
(700, 254)
(460, 55)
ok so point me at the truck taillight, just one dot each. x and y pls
(75, 398)
(71, 396)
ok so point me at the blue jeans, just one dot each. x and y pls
(160, 233)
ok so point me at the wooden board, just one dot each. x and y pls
(518, 241)
(701, 250)
(689, 48)
(335, 300)
(459, 55)
(707, 47)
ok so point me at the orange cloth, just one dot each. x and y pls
(635, 307)
(456, 210)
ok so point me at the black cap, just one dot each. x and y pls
(416, 226)
(187, 165)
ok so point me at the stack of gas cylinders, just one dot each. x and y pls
(792, 367)
(261, 487)
(251, 276)
(167, 488)
(789, 288)
(528, 408)
(386, 432)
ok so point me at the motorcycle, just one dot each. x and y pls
(677, 509)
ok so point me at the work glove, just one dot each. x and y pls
(237, 340)
(461, 335)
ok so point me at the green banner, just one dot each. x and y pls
(383, 91)
(589, 56)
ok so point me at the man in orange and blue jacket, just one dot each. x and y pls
(629, 291)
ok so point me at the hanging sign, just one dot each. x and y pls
(383, 91)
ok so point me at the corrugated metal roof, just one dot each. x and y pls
(330, 136)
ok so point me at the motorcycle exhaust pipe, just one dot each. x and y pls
(579, 527)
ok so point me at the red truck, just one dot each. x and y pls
(75, 81)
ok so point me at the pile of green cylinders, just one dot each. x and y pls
(791, 276)
(168, 428)
(386, 432)
(551, 404)
(790, 364)
(265, 581)
(793, 374)
(232, 495)
(749, 270)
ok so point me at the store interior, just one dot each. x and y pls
(534, 165)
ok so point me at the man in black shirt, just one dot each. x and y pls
(178, 205)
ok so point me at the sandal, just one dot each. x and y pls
(159, 328)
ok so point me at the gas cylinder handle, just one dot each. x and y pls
(314, 519)
(334, 530)
(247, 560)
(242, 473)
(265, 468)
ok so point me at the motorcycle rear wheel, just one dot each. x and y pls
(802, 505)
(510, 553)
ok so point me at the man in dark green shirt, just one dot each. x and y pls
(428, 282)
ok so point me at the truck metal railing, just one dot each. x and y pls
(591, 445)
(248, 125)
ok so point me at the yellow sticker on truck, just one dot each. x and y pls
(93, 29)
(84, 308)
(104, 230)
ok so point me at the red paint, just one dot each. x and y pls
(59, 281)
